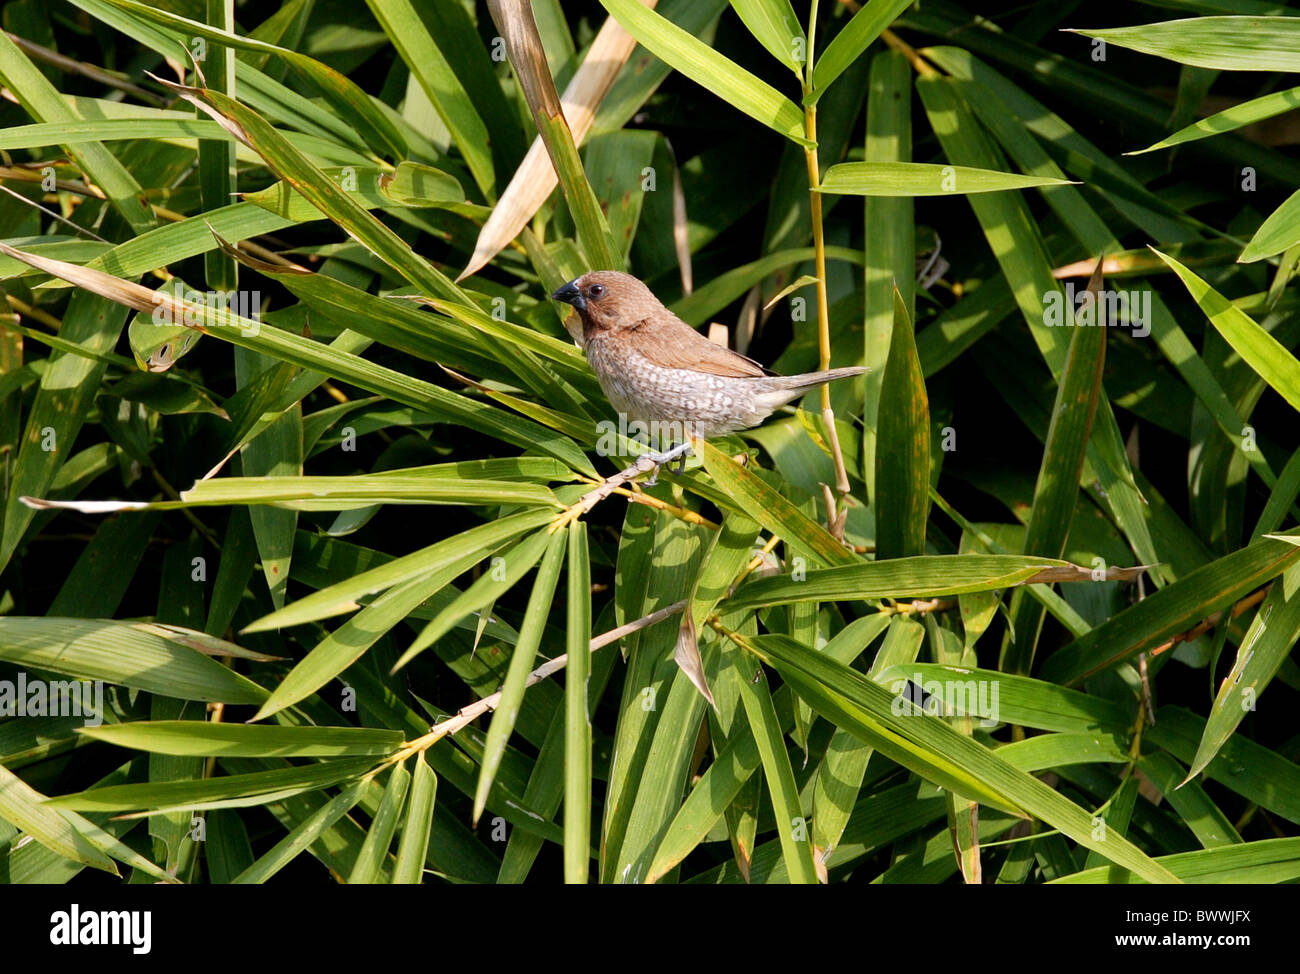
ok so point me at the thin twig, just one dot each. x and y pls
(468, 714)
(36, 314)
(26, 174)
(920, 607)
(649, 500)
(53, 215)
(91, 71)
(1210, 622)
(919, 64)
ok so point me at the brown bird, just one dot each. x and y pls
(657, 369)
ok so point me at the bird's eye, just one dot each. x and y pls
(595, 291)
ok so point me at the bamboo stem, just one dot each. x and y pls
(835, 513)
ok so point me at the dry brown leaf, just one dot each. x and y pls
(535, 178)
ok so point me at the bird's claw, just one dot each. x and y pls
(674, 459)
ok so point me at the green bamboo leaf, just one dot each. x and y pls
(616, 166)
(1265, 646)
(658, 558)
(774, 25)
(890, 260)
(791, 825)
(294, 167)
(227, 851)
(513, 565)
(902, 446)
(1057, 488)
(1097, 238)
(1095, 85)
(839, 779)
(1261, 351)
(341, 493)
(849, 714)
(343, 94)
(345, 645)
(457, 340)
(40, 99)
(521, 664)
(1206, 820)
(342, 596)
(276, 455)
(217, 175)
(191, 237)
(137, 655)
(1251, 770)
(430, 68)
(154, 38)
(1247, 113)
(67, 392)
(1172, 610)
(933, 749)
(194, 737)
(25, 807)
(1265, 861)
(545, 789)
(302, 836)
(1024, 262)
(708, 801)
(770, 508)
(923, 179)
(706, 67)
(577, 734)
(665, 768)
(1083, 159)
(1227, 43)
(729, 551)
(1064, 749)
(410, 185)
(523, 43)
(914, 577)
(327, 359)
(856, 36)
(370, 860)
(414, 844)
(1280, 498)
(700, 305)
(1278, 233)
(163, 126)
(1019, 699)
(230, 791)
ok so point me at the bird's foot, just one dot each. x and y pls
(645, 463)
(674, 459)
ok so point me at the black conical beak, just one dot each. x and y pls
(570, 294)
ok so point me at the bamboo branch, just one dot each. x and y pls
(467, 715)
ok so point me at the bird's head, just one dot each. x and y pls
(608, 300)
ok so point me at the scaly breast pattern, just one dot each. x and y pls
(707, 404)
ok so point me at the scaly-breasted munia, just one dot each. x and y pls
(655, 368)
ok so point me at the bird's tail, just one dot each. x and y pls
(809, 380)
(787, 387)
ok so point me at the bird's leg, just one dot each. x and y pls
(675, 458)
(645, 463)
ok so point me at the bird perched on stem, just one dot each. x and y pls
(660, 371)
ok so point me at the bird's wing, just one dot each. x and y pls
(676, 345)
